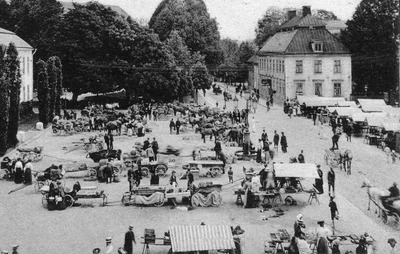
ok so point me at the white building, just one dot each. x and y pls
(303, 58)
(25, 53)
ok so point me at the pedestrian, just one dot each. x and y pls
(267, 155)
(18, 169)
(264, 135)
(171, 126)
(335, 140)
(129, 238)
(314, 117)
(146, 144)
(319, 182)
(230, 175)
(284, 143)
(334, 211)
(388, 153)
(154, 144)
(217, 148)
(172, 179)
(322, 233)
(300, 158)
(28, 172)
(111, 136)
(109, 246)
(154, 177)
(362, 247)
(253, 124)
(150, 153)
(394, 155)
(177, 126)
(299, 225)
(130, 178)
(267, 103)
(331, 182)
(109, 171)
(107, 141)
(290, 111)
(276, 141)
(14, 249)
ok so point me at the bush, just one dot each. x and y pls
(25, 109)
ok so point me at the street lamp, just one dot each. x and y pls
(235, 102)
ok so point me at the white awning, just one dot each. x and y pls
(344, 111)
(315, 101)
(391, 126)
(372, 105)
(305, 170)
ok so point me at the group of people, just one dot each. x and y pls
(265, 149)
(19, 170)
(175, 126)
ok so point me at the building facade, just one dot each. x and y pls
(304, 58)
(25, 54)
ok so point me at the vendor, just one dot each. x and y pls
(247, 185)
(299, 225)
(319, 182)
(28, 172)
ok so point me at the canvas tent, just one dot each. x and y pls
(344, 111)
(373, 105)
(315, 101)
(305, 170)
(361, 117)
(391, 126)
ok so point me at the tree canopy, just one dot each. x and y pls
(371, 38)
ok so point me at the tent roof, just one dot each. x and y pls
(306, 170)
(372, 105)
(391, 126)
(392, 111)
(201, 238)
(352, 104)
(344, 111)
(315, 101)
(360, 117)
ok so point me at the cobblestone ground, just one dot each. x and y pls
(80, 229)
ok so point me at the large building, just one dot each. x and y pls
(25, 53)
(303, 58)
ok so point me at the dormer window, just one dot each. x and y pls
(317, 46)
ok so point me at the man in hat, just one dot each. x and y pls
(393, 248)
(109, 246)
(129, 238)
(319, 182)
(15, 248)
(334, 211)
(362, 246)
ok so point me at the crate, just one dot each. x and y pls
(149, 235)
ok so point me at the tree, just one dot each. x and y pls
(268, 25)
(201, 78)
(14, 82)
(52, 74)
(230, 49)
(325, 15)
(192, 21)
(43, 91)
(5, 14)
(4, 101)
(246, 50)
(371, 38)
(59, 87)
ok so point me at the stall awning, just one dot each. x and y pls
(392, 112)
(372, 105)
(315, 101)
(348, 104)
(360, 117)
(305, 170)
(391, 126)
(201, 238)
(344, 111)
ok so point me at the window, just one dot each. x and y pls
(318, 89)
(273, 65)
(317, 46)
(27, 65)
(28, 92)
(23, 65)
(318, 66)
(337, 67)
(337, 89)
(23, 94)
(299, 88)
(299, 66)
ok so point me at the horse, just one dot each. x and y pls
(375, 195)
(208, 131)
(114, 125)
(346, 157)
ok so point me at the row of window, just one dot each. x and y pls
(337, 89)
(273, 65)
(26, 95)
(337, 67)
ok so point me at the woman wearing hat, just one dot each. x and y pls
(299, 225)
(247, 186)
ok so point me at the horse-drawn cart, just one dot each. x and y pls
(340, 158)
(104, 154)
(33, 154)
(153, 195)
(207, 167)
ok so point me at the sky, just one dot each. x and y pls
(237, 19)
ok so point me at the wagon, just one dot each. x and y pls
(211, 168)
(153, 195)
(34, 154)
(104, 154)
(160, 168)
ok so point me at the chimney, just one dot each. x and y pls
(291, 14)
(306, 10)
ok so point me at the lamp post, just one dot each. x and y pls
(246, 95)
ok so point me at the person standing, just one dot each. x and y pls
(146, 144)
(264, 135)
(107, 141)
(319, 182)
(171, 126)
(217, 148)
(109, 171)
(300, 158)
(111, 141)
(334, 211)
(177, 126)
(154, 144)
(253, 124)
(109, 246)
(284, 143)
(299, 225)
(28, 172)
(276, 141)
(331, 182)
(335, 140)
(230, 175)
(150, 153)
(130, 179)
(129, 238)
(18, 177)
(267, 155)
(172, 179)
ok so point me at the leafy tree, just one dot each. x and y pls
(43, 91)
(59, 87)
(52, 74)
(371, 38)
(14, 82)
(4, 101)
(194, 25)
(230, 49)
(324, 15)
(5, 14)
(201, 78)
(246, 50)
(268, 25)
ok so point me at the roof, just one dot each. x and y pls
(392, 111)
(299, 42)
(373, 105)
(201, 238)
(252, 59)
(300, 21)
(306, 170)
(362, 117)
(344, 111)
(335, 25)
(315, 101)
(391, 126)
(69, 5)
(7, 36)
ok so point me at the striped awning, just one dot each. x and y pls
(201, 238)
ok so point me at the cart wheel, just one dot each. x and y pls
(214, 171)
(56, 131)
(384, 217)
(45, 197)
(161, 169)
(289, 200)
(38, 186)
(158, 204)
(396, 220)
(92, 172)
(69, 200)
(145, 171)
(126, 198)
(104, 197)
